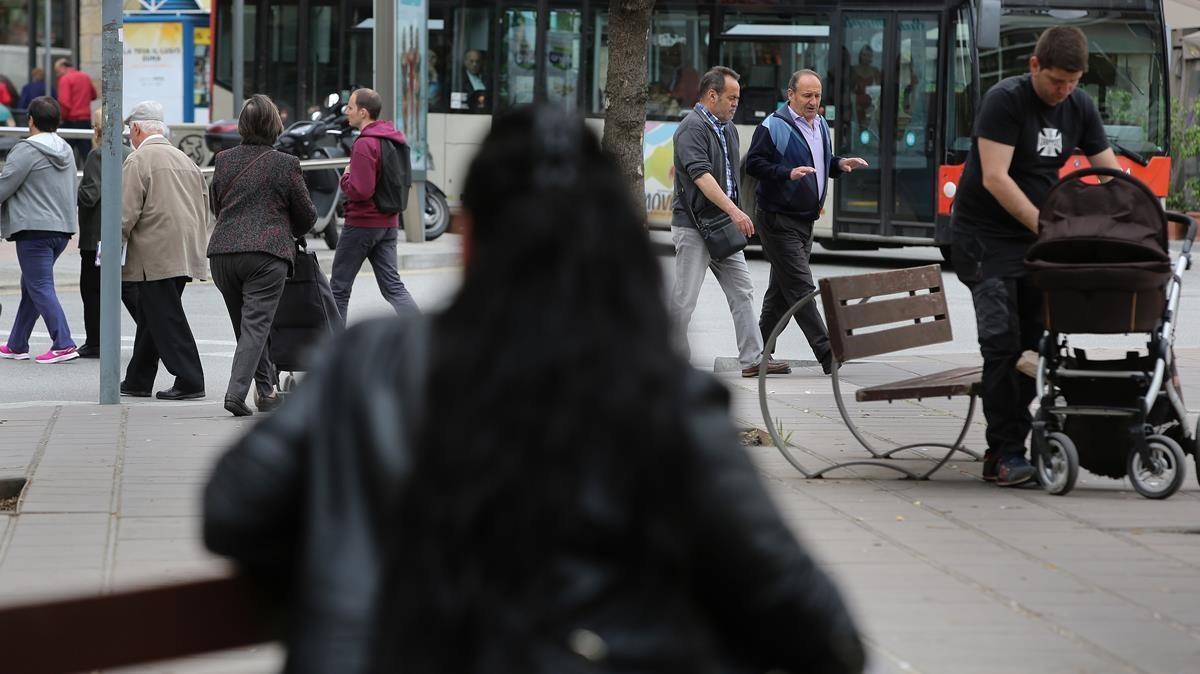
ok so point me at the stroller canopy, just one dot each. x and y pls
(1107, 236)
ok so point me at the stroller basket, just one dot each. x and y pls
(1101, 257)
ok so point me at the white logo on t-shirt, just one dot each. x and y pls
(1049, 143)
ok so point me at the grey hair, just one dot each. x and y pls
(803, 72)
(715, 79)
(153, 126)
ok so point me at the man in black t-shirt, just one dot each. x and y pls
(1028, 126)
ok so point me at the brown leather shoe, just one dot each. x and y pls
(773, 367)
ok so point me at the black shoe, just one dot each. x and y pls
(176, 394)
(827, 363)
(88, 351)
(266, 403)
(127, 391)
(1013, 470)
(990, 458)
(236, 407)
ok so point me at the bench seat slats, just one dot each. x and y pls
(957, 382)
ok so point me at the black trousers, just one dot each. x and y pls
(89, 292)
(163, 334)
(251, 284)
(1008, 317)
(787, 244)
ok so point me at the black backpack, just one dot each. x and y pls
(395, 177)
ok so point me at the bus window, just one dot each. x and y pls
(324, 26)
(437, 82)
(765, 49)
(675, 61)
(283, 55)
(960, 114)
(224, 53)
(518, 57)
(1125, 66)
(916, 112)
(470, 73)
(564, 45)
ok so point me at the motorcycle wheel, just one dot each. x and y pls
(437, 213)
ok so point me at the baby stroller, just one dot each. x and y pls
(307, 314)
(1104, 267)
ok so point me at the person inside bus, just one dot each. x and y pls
(865, 77)
(490, 513)
(1027, 128)
(472, 88)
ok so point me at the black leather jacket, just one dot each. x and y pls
(297, 504)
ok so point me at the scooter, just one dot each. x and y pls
(309, 139)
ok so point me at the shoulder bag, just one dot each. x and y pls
(721, 236)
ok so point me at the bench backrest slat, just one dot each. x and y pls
(84, 634)
(861, 326)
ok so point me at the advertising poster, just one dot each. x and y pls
(658, 152)
(154, 67)
(411, 95)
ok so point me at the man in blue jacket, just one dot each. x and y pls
(793, 161)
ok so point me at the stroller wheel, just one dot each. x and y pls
(1058, 464)
(1161, 472)
(287, 384)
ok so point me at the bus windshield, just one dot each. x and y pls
(1125, 68)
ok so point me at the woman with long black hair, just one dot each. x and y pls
(532, 482)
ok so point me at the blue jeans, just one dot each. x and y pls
(38, 298)
(357, 245)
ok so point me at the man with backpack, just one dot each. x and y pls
(376, 188)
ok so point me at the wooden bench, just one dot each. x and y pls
(82, 634)
(875, 314)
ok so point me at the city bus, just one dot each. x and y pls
(901, 83)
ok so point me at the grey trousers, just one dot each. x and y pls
(378, 245)
(691, 263)
(251, 284)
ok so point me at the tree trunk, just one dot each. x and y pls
(625, 92)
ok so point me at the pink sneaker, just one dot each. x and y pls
(8, 353)
(57, 355)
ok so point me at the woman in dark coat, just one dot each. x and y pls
(262, 206)
(532, 482)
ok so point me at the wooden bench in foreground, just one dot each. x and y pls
(875, 314)
(82, 634)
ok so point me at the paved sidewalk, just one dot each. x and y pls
(950, 575)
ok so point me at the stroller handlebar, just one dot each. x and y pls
(1188, 238)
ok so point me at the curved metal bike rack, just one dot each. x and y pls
(957, 446)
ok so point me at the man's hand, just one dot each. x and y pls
(801, 171)
(850, 163)
(742, 222)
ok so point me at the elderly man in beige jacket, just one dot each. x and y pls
(164, 226)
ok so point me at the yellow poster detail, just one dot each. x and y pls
(203, 37)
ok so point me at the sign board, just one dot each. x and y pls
(154, 65)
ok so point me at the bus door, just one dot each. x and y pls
(887, 113)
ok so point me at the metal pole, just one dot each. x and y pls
(239, 55)
(110, 206)
(49, 58)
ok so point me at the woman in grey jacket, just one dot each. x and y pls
(262, 206)
(37, 187)
(534, 482)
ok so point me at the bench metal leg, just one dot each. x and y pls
(957, 446)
